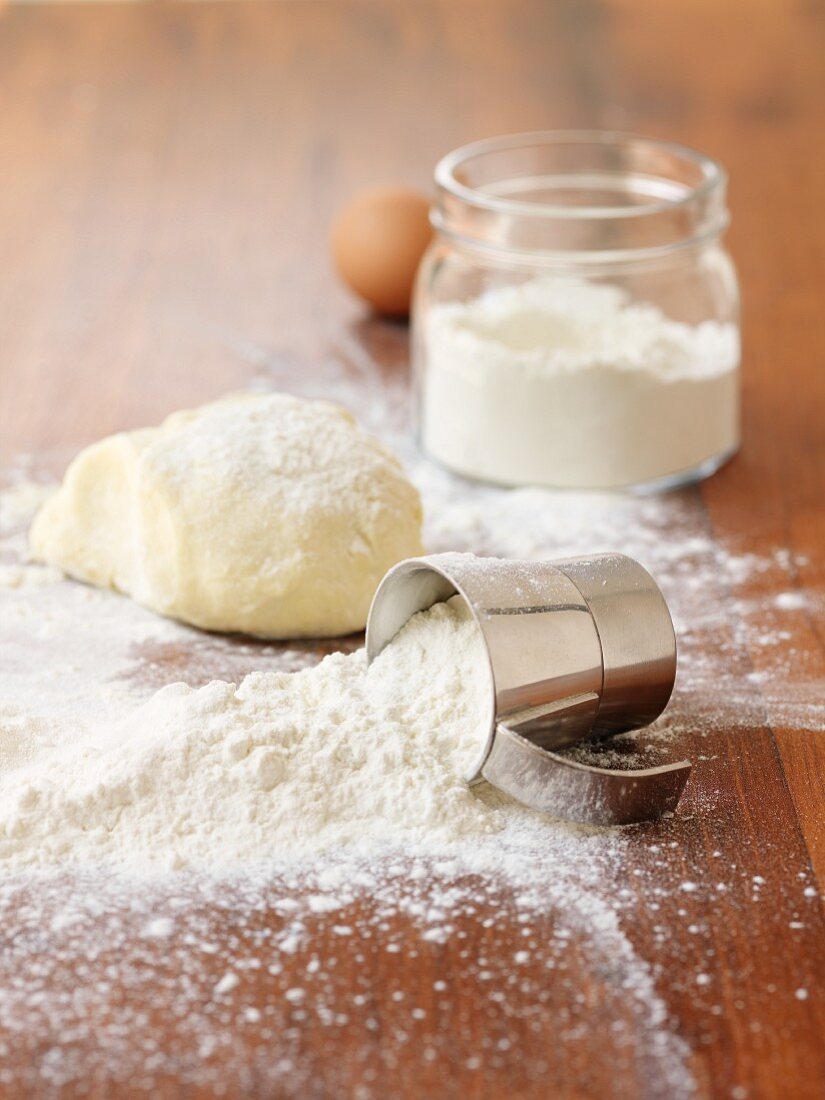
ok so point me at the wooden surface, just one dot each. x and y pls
(169, 172)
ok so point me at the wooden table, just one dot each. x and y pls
(169, 173)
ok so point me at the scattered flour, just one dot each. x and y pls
(89, 951)
(791, 601)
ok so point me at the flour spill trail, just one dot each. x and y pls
(219, 955)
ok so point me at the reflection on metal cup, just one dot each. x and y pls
(578, 650)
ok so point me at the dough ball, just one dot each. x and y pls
(264, 514)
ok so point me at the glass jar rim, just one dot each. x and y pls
(579, 196)
(712, 172)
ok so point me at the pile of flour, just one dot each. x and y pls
(230, 961)
(281, 765)
(574, 385)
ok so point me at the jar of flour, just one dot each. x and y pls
(576, 319)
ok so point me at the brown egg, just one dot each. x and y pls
(378, 240)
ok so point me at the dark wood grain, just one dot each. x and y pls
(169, 173)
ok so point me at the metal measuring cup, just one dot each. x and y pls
(578, 650)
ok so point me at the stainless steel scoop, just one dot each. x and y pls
(578, 650)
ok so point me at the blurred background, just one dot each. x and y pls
(170, 170)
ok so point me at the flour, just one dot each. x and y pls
(573, 385)
(91, 948)
(280, 765)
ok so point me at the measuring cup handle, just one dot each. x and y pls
(592, 796)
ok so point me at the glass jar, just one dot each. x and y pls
(576, 318)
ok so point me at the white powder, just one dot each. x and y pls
(574, 385)
(281, 765)
(84, 958)
(790, 601)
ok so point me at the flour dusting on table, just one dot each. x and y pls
(213, 953)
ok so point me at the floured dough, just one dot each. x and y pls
(259, 513)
